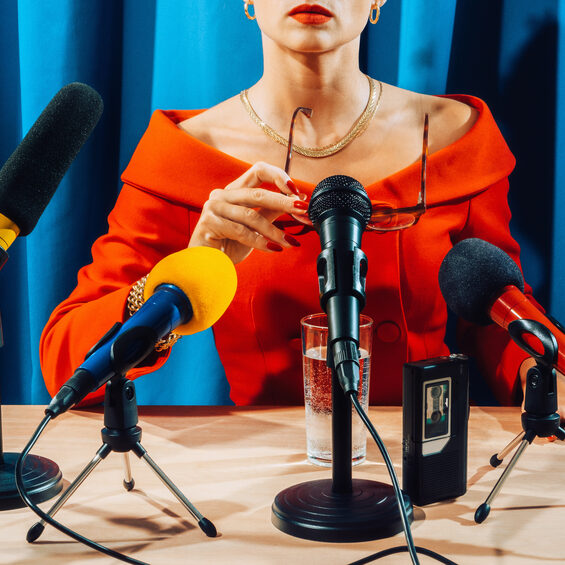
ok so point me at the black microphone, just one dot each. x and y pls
(482, 284)
(341, 509)
(33, 172)
(339, 211)
(187, 291)
(28, 180)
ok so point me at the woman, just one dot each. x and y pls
(214, 178)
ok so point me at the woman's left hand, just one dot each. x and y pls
(530, 362)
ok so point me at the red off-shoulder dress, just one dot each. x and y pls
(258, 339)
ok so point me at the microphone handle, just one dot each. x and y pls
(167, 308)
(342, 270)
(513, 305)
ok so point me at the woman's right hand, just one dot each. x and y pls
(238, 218)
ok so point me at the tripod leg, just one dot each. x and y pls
(128, 481)
(497, 458)
(37, 529)
(484, 509)
(205, 525)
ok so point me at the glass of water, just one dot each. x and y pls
(318, 390)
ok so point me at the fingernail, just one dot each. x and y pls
(274, 246)
(294, 242)
(302, 196)
(301, 205)
(292, 187)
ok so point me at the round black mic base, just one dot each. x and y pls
(312, 511)
(42, 478)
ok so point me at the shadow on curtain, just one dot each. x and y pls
(146, 54)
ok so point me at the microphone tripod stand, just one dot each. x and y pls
(540, 417)
(42, 477)
(340, 509)
(122, 435)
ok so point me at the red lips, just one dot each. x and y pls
(311, 14)
(311, 9)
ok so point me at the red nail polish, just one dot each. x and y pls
(274, 246)
(292, 187)
(301, 205)
(294, 242)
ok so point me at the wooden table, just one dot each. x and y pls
(231, 462)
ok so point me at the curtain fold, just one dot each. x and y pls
(426, 30)
(146, 54)
(558, 256)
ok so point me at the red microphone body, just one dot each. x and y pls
(482, 284)
(512, 305)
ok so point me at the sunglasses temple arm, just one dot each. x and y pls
(424, 162)
(308, 113)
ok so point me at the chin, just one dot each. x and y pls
(310, 49)
(309, 42)
(309, 39)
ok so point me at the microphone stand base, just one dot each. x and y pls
(42, 478)
(311, 510)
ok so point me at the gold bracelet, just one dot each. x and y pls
(135, 302)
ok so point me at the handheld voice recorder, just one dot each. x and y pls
(434, 436)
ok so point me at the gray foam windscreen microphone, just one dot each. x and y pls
(33, 172)
(473, 275)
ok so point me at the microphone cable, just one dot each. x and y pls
(45, 517)
(409, 547)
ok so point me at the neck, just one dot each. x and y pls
(330, 83)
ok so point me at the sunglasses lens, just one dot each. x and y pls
(390, 222)
(386, 218)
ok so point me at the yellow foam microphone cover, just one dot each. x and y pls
(206, 275)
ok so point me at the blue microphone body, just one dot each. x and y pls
(166, 309)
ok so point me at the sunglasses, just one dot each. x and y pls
(384, 217)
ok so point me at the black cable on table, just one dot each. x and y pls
(409, 547)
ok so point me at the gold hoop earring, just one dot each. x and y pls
(375, 19)
(246, 8)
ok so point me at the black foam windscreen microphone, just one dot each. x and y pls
(33, 172)
(339, 211)
(482, 284)
(472, 275)
(28, 180)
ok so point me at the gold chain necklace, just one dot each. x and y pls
(357, 129)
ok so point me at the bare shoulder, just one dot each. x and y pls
(216, 123)
(450, 120)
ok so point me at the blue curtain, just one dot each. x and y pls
(147, 54)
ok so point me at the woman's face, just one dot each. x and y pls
(312, 27)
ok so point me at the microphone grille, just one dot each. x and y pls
(339, 192)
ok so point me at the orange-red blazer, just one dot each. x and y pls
(258, 339)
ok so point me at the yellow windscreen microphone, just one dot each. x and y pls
(206, 275)
(187, 292)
